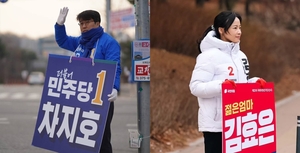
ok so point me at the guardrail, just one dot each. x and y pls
(298, 135)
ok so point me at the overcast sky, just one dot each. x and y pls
(36, 18)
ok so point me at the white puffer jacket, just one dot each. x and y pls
(218, 61)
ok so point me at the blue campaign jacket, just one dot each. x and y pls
(107, 48)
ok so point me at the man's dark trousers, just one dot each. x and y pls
(106, 146)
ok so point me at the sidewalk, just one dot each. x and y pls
(128, 90)
(287, 111)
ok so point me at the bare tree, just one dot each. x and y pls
(229, 4)
(158, 1)
(220, 4)
(247, 8)
(277, 13)
(200, 3)
(131, 1)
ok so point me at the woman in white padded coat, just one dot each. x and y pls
(220, 61)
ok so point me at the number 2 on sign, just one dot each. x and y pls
(231, 71)
(101, 77)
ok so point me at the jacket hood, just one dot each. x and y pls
(211, 41)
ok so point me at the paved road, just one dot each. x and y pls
(287, 111)
(19, 107)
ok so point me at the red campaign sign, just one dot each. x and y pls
(142, 70)
(249, 118)
(145, 44)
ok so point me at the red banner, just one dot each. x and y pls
(249, 118)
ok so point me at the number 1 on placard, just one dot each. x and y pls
(101, 77)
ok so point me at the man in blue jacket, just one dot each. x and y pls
(92, 43)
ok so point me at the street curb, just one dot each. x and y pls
(295, 95)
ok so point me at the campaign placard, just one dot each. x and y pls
(74, 104)
(249, 118)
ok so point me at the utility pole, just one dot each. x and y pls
(298, 135)
(108, 8)
(142, 31)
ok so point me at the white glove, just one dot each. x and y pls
(62, 16)
(253, 80)
(113, 96)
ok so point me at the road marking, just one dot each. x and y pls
(18, 95)
(131, 125)
(3, 121)
(3, 95)
(34, 96)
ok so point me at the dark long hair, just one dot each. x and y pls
(223, 20)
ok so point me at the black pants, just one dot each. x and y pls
(106, 145)
(213, 142)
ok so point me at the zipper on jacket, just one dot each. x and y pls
(232, 48)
